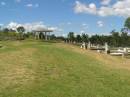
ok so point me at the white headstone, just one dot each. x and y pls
(106, 48)
(125, 50)
(89, 45)
(84, 45)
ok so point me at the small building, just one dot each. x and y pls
(45, 32)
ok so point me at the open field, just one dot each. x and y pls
(41, 69)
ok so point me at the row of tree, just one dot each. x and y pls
(10, 34)
(114, 39)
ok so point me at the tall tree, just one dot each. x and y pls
(85, 37)
(127, 23)
(21, 31)
(95, 39)
(71, 37)
(124, 39)
(78, 38)
(116, 39)
(6, 30)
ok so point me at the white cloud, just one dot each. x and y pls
(30, 5)
(84, 24)
(83, 8)
(18, 1)
(3, 3)
(69, 23)
(64, 35)
(105, 11)
(13, 25)
(82, 31)
(105, 2)
(100, 23)
(32, 26)
(53, 28)
(119, 8)
(27, 26)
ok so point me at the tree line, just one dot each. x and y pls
(10, 34)
(21, 34)
(114, 39)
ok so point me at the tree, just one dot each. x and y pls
(21, 31)
(53, 37)
(5, 33)
(11, 30)
(95, 39)
(78, 38)
(124, 39)
(116, 39)
(6, 30)
(85, 37)
(71, 37)
(127, 23)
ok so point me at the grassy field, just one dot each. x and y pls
(41, 69)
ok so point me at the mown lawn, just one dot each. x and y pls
(41, 69)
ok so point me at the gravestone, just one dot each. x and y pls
(106, 48)
(89, 45)
(84, 45)
(125, 51)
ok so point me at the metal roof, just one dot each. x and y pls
(42, 30)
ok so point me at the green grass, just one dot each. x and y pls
(41, 69)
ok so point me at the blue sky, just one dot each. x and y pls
(80, 16)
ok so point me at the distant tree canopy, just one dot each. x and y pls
(127, 23)
(21, 29)
(71, 37)
(5, 30)
(10, 34)
(85, 37)
(115, 38)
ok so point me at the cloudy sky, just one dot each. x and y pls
(63, 16)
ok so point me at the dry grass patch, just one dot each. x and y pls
(107, 60)
(15, 67)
